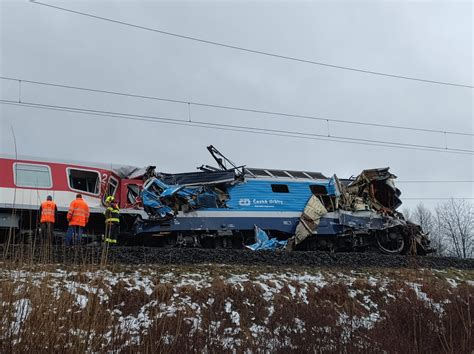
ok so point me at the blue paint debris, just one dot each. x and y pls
(263, 242)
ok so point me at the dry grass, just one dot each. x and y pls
(183, 309)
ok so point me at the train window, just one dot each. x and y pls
(32, 175)
(321, 192)
(133, 193)
(112, 186)
(280, 188)
(318, 189)
(84, 180)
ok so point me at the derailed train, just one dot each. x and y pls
(221, 207)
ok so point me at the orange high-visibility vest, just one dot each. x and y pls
(78, 214)
(48, 209)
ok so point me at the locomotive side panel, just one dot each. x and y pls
(271, 195)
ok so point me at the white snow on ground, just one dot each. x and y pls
(438, 308)
(234, 315)
(139, 283)
(22, 309)
(182, 301)
(452, 282)
(372, 281)
(237, 279)
(81, 301)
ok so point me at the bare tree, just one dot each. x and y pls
(456, 223)
(423, 216)
(407, 214)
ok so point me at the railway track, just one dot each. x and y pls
(151, 255)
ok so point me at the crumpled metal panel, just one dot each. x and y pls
(309, 220)
(369, 220)
(263, 242)
(376, 187)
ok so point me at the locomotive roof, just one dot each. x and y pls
(261, 172)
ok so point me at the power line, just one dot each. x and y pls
(435, 181)
(229, 46)
(182, 122)
(241, 109)
(241, 128)
(442, 198)
(237, 128)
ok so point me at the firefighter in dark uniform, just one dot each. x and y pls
(112, 221)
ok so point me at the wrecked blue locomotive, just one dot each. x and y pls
(223, 207)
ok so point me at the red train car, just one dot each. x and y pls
(26, 181)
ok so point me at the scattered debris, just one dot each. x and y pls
(263, 242)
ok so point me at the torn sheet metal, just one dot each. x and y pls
(157, 194)
(163, 201)
(310, 218)
(263, 242)
(372, 189)
(154, 207)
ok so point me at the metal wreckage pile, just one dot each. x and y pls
(346, 214)
(372, 195)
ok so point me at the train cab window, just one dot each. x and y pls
(32, 175)
(318, 190)
(133, 193)
(84, 180)
(280, 188)
(322, 193)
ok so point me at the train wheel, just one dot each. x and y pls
(390, 242)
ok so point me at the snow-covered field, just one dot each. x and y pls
(235, 309)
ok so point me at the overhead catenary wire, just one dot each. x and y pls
(125, 117)
(432, 181)
(435, 198)
(238, 128)
(241, 109)
(253, 51)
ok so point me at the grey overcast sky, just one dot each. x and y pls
(427, 39)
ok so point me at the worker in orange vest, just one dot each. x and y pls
(78, 217)
(48, 212)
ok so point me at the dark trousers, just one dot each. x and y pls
(74, 234)
(111, 231)
(47, 234)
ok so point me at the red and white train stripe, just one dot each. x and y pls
(26, 182)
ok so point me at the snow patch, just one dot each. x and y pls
(81, 301)
(438, 308)
(453, 283)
